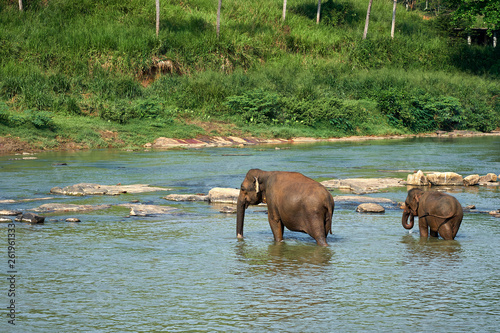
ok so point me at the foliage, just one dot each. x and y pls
(256, 106)
(93, 62)
(468, 11)
(421, 112)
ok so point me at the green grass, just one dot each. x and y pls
(70, 71)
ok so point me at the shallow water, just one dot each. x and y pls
(187, 272)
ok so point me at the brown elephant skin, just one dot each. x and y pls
(293, 200)
(438, 212)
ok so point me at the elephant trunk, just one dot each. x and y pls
(407, 214)
(240, 215)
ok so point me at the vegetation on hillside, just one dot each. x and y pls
(76, 70)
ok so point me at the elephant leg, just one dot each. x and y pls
(276, 226)
(318, 232)
(433, 233)
(448, 230)
(423, 227)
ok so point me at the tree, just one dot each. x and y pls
(319, 11)
(393, 27)
(21, 5)
(284, 9)
(468, 10)
(157, 17)
(218, 18)
(367, 19)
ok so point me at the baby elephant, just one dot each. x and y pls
(440, 212)
(293, 201)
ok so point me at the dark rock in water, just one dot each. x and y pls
(30, 218)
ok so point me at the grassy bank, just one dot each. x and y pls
(95, 74)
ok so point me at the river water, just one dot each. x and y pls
(187, 272)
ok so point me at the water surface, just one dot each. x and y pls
(187, 272)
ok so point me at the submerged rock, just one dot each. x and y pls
(228, 210)
(147, 210)
(72, 219)
(96, 189)
(186, 197)
(59, 207)
(5, 220)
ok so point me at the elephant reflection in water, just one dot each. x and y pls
(284, 257)
(438, 212)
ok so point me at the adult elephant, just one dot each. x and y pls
(437, 211)
(293, 200)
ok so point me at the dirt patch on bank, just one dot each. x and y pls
(9, 145)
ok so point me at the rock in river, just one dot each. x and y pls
(96, 189)
(30, 218)
(370, 208)
(147, 210)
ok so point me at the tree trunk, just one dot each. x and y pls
(393, 18)
(319, 12)
(218, 18)
(157, 17)
(21, 5)
(367, 19)
(284, 9)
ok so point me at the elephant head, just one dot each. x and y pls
(411, 207)
(252, 192)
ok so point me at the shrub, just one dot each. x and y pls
(4, 114)
(119, 112)
(257, 106)
(41, 119)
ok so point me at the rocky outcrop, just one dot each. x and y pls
(370, 208)
(5, 220)
(96, 189)
(445, 178)
(223, 195)
(418, 178)
(363, 185)
(490, 177)
(471, 180)
(450, 179)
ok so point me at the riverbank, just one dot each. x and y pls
(10, 145)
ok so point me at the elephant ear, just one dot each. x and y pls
(257, 184)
